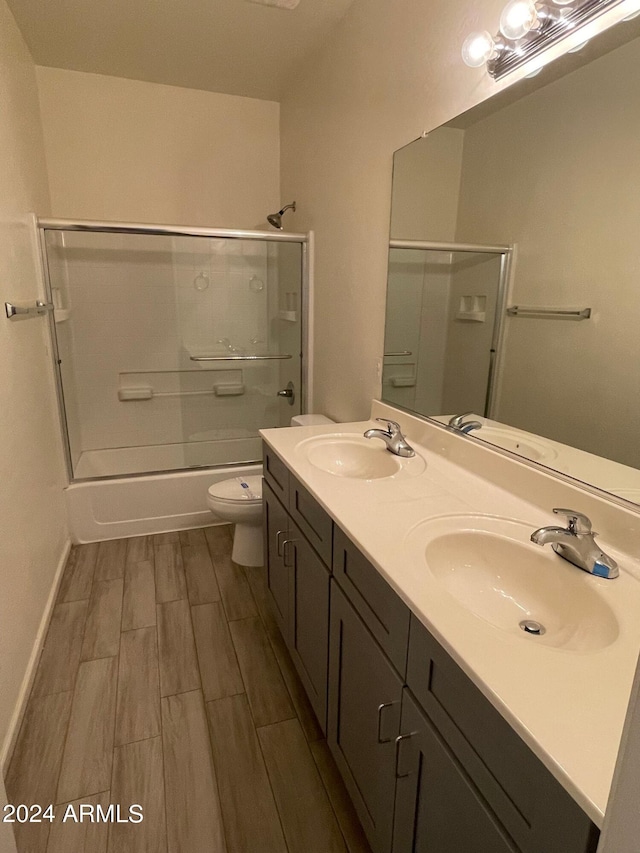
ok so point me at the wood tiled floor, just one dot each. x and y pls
(164, 681)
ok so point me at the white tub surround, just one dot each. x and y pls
(568, 705)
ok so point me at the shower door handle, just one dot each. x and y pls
(289, 393)
(35, 310)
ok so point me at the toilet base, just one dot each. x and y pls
(247, 545)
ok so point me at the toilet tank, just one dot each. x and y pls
(310, 420)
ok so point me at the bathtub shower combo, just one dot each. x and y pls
(173, 346)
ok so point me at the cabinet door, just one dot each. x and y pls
(276, 531)
(438, 808)
(308, 636)
(365, 695)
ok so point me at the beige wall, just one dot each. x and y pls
(31, 475)
(390, 71)
(127, 150)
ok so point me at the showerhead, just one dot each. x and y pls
(275, 219)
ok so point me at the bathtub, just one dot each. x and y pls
(140, 505)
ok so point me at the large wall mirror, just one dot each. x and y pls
(514, 272)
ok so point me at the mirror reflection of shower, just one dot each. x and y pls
(275, 219)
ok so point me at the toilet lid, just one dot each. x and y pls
(238, 489)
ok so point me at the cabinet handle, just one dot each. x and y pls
(278, 546)
(380, 710)
(399, 740)
(284, 551)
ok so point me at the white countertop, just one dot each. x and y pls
(568, 706)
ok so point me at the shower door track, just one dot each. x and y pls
(88, 225)
(306, 240)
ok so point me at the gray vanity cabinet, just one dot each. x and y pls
(297, 578)
(430, 764)
(365, 695)
(438, 808)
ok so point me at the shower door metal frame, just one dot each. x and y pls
(507, 253)
(43, 224)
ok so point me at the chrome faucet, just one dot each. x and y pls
(392, 437)
(459, 424)
(576, 543)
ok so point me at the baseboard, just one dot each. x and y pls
(25, 691)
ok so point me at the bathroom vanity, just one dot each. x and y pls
(453, 729)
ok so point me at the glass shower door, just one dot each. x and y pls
(173, 348)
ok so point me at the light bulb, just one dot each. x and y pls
(563, 2)
(478, 48)
(518, 18)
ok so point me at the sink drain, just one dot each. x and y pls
(529, 626)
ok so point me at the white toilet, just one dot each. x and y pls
(239, 500)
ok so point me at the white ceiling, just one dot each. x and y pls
(231, 46)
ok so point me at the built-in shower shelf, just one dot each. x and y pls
(289, 316)
(403, 382)
(471, 316)
(472, 309)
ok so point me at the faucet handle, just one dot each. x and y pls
(392, 426)
(457, 420)
(579, 524)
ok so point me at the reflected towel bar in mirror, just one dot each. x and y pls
(561, 313)
(239, 357)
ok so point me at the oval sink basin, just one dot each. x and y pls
(492, 569)
(356, 457)
(511, 440)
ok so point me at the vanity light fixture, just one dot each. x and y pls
(527, 28)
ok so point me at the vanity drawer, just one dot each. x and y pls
(276, 473)
(532, 805)
(386, 615)
(312, 520)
